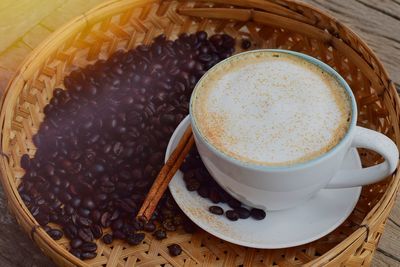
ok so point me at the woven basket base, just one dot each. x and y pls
(268, 24)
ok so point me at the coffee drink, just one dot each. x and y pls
(270, 108)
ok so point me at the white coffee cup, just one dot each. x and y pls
(282, 187)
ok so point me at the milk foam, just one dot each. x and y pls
(271, 109)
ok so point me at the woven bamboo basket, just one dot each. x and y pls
(123, 24)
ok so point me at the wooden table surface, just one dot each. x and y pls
(24, 24)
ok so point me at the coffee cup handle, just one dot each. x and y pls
(366, 138)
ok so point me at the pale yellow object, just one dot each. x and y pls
(18, 17)
(67, 11)
(26, 23)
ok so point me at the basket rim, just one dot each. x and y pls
(80, 23)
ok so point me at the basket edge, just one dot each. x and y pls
(26, 63)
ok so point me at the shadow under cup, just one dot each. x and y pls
(274, 187)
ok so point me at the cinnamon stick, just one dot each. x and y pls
(165, 175)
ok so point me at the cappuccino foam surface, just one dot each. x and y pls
(271, 109)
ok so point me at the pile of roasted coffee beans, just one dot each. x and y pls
(102, 142)
(198, 179)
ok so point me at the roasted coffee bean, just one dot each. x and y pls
(128, 229)
(75, 168)
(225, 197)
(233, 203)
(167, 119)
(205, 58)
(85, 234)
(46, 228)
(193, 185)
(65, 197)
(228, 41)
(116, 115)
(75, 155)
(101, 197)
(25, 162)
(95, 215)
(117, 224)
(97, 231)
(174, 250)
(178, 220)
(232, 215)
(203, 191)
(201, 36)
(257, 214)
(98, 168)
(57, 92)
(107, 148)
(88, 247)
(189, 227)
(26, 198)
(214, 196)
(138, 225)
(88, 255)
(118, 148)
(55, 234)
(36, 140)
(216, 210)
(119, 234)
(75, 202)
(54, 218)
(49, 169)
(84, 212)
(88, 203)
(160, 234)
(56, 180)
(216, 40)
(107, 239)
(194, 169)
(71, 231)
(86, 222)
(115, 215)
(243, 212)
(169, 225)
(76, 243)
(42, 219)
(77, 253)
(65, 184)
(135, 239)
(105, 219)
(127, 204)
(149, 227)
(246, 44)
(41, 202)
(69, 209)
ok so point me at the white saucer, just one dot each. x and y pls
(280, 229)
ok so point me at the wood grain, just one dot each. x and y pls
(25, 23)
(17, 17)
(395, 215)
(391, 241)
(13, 56)
(376, 21)
(381, 259)
(35, 36)
(389, 244)
(16, 249)
(67, 11)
